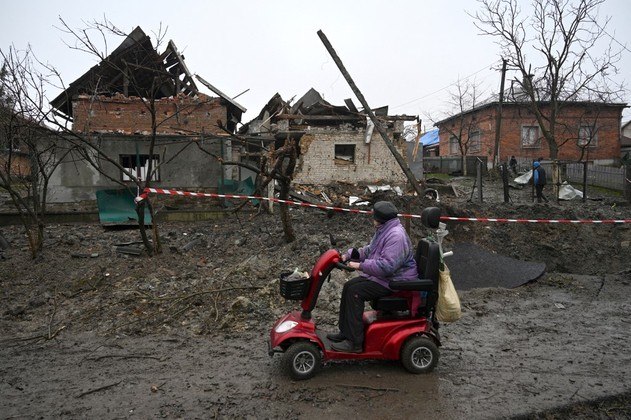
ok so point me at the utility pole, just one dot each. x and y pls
(406, 170)
(498, 119)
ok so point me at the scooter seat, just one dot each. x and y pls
(390, 303)
(421, 285)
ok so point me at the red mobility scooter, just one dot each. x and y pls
(401, 326)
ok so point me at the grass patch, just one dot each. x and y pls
(593, 189)
(444, 177)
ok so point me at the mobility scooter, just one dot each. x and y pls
(402, 326)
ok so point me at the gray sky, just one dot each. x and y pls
(404, 54)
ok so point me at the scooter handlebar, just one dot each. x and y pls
(343, 266)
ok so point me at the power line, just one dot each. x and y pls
(611, 36)
(445, 87)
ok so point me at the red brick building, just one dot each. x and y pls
(584, 131)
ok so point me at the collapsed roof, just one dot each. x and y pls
(311, 109)
(132, 70)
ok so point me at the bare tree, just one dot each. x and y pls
(275, 165)
(29, 151)
(463, 129)
(552, 46)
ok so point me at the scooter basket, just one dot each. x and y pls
(293, 288)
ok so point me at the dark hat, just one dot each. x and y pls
(384, 211)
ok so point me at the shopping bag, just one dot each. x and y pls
(448, 305)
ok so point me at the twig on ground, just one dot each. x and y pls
(124, 356)
(369, 387)
(52, 316)
(102, 388)
(216, 308)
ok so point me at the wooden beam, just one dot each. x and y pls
(319, 117)
(406, 170)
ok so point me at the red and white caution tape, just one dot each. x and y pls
(247, 197)
(503, 220)
(357, 211)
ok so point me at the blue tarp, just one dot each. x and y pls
(429, 138)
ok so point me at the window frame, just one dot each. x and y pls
(454, 146)
(349, 147)
(139, 170)
(592, 141)
(537, 142)
(477, 144)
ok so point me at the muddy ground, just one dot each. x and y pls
(87, 331)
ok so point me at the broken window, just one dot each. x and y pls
(587, 136)
(454, 147)
(530, 137)
(139, 166)
(474, 142)
(345, 152)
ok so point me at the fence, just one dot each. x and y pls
(600, 176)
(452, 164)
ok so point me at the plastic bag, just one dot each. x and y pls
(448, 305)
(297, 275)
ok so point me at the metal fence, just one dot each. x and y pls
(600, 176)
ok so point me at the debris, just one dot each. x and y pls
(84, 255)
(241, 303)
(4, 244)
(374, 188)
(128, 250)
(559, 306)
(191, 244)
(354, 201)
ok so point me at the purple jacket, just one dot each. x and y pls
(389, 256)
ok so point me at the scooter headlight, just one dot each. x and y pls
(285, 326)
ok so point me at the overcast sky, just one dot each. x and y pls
(404, 54)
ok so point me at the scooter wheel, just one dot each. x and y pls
(419, 355)
(302, 360)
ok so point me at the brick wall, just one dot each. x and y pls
(128, 115)
(374, 164)
(606, 119)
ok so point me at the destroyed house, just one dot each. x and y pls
(337, 143)
(133, 97)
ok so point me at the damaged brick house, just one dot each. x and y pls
(585, 131)
(337, 143)
(108, 105)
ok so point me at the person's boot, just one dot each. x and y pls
(347, 347)
(336, 337)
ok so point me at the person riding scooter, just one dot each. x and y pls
(389, 256)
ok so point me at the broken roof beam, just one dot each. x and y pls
(189, 83)
(220, 93)
(319, 117)
(340, 117)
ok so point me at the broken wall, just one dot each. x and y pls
(130, 115)
(324, 158)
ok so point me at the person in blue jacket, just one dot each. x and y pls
(389, 256)
(539, 179)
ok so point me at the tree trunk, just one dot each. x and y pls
(154, 226)
(140, 211)
(285, 218)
